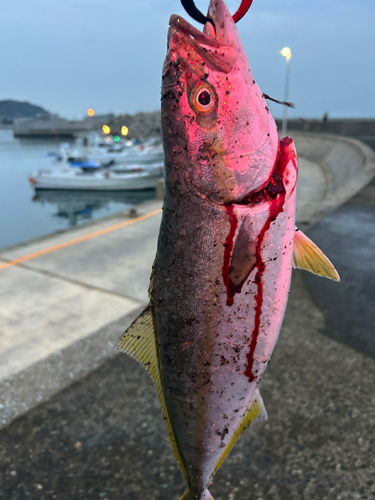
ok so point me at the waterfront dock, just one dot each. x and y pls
(66, 298)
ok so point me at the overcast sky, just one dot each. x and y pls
(107, 54)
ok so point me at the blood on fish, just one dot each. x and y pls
(276, 206)
(269, 194)
(228, 247)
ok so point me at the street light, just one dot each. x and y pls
(287, 53)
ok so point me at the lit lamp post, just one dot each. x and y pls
(286, 52)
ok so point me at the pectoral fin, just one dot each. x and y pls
(139, 342)
(256, 411)
(243, 259)
(306, 255)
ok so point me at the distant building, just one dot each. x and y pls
(99, 119)
(51, 126)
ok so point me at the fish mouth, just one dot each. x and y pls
(208, 44)
(180, 24)
(273, 188)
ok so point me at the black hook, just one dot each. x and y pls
(195, 13)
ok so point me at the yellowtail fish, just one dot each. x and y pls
(226, 247)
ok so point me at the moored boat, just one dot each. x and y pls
(127, 178)
(147, 153)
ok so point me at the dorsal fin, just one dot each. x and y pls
(255, 411)
(140, 343)
(306, 255)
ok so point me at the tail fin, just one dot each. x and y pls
(189, 495)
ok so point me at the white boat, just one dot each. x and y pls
(112, 153)
(126, 178)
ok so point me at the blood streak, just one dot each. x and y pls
(275, 207)
(274, 193)
(228, 247)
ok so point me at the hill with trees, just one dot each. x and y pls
(10, 109)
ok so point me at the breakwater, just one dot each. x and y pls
(352, 127)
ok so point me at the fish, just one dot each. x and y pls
(226, 248)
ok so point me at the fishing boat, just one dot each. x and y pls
(112, 153)
(88, 177)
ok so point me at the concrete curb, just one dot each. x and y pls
(41, 381)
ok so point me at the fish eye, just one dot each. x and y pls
(203, 98)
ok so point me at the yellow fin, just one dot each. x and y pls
(140, 343)
(306, 255)
(256, 411)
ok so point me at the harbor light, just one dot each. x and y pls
(124, 130)
(90, 112)
(106, 129)
(286, 52)
(116, 138)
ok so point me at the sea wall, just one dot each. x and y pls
(348, 165)
(346, 126)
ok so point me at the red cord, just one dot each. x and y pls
(243, 8)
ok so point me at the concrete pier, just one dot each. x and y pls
(66, 298)
(66, 288)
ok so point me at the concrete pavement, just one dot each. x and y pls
(104, 437)
(348, 237)
(85, 285)
(52, 301)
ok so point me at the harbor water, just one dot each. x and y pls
(26, 214)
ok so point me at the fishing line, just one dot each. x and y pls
(284, 103)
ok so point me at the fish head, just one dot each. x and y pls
(219, 136)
